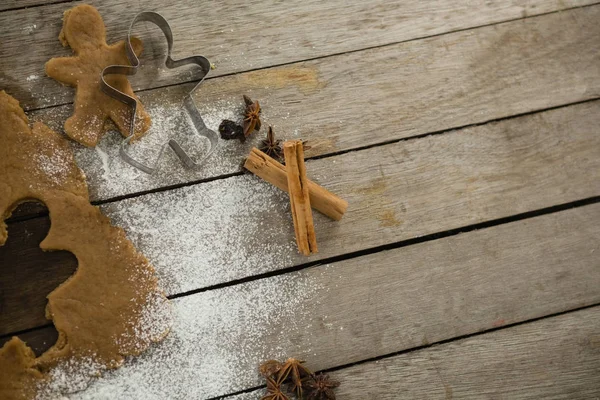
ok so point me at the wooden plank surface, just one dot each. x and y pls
(396, 192)
(371, 306)
(555, 358)
(239, 36)
(376, 304)
(39, 340)
(28, 275)
(359, 99)
(13, 4)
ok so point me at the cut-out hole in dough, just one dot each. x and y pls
(27, 276)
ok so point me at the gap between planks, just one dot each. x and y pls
(351, 25)
(563, 332)
(139, 91)
(34, 209)
(424, 109)
(16, 5)
(349, 256)
(430, 292)
(491, 172)
(551, 359)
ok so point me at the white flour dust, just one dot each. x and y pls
(69, 377)
(52, 166)
(218, 340)
(109, 176)
(211, 233)
(76, 374)
(29, 29)
(197, 236)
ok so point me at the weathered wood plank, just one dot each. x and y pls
(373, 305)
(27, 275)
(555, 358)
(28, 210)
(238, 36)
(396, 192)
(344, 102)
(12, 4)
(39, 340)
(229, 229)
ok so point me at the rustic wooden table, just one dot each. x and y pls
(463, 133)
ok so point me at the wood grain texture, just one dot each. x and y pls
(12, 4)
(396, 192)
(392, 300)
(28, 275)
(353, 100)
(239, 36)
(384, 303)
(555, 358)
(39, 340)
(27, 210)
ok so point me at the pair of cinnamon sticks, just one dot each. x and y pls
(304, 193)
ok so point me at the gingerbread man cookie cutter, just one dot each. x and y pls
(188, 103)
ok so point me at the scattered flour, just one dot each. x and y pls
(168, 122)
(104, 159)
(29, 28)
(218, 337)
(76, 374)
(110, 176)
(32, 77)
(53, 165)
(69, 377)
(206, 234)
(156, 319)
(218, 340)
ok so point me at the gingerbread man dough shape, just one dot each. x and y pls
(84, 31)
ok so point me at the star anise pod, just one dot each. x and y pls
(247, 100)
(320, 387)
(297, 374)
(274, 391)
(270, 368)
(271, 146)
(251, 116)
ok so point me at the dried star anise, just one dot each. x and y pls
(321, 387)
(271, 146)
(251, 116)
(231, 130)
(297, 373)
(274, 391)
(269, 368)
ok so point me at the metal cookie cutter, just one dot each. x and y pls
(188, 102)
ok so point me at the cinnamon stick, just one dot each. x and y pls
(274, 172)
(299, 198)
